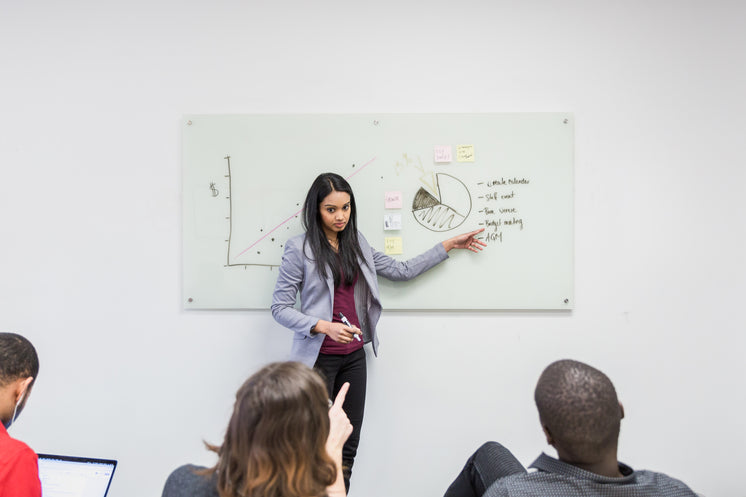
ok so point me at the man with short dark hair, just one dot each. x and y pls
(19, 367)
(580, 415)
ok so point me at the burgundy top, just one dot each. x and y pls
(344, 302)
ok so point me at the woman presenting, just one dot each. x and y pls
(335, 270)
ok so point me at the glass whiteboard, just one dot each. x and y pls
(418, 179)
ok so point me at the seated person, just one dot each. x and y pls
(19, 367)
(580, 415)
(283, 440)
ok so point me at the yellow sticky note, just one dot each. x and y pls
(465, 153)
(392, 245)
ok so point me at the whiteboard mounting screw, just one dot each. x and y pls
(189, 123)
(375, 123)
(190, 299)
(567, 301)
(566, 121)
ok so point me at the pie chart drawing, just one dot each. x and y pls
(447, 209)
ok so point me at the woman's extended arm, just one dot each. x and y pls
(465, 241)
(395, 270)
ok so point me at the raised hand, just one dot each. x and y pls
(340, 427)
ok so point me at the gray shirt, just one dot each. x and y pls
(555, 478)
(184, 482)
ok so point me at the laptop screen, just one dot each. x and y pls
(66, 476)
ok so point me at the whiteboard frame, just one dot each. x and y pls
(359, 143)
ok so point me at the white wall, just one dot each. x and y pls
(90, 106)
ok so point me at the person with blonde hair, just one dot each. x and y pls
(283, 440)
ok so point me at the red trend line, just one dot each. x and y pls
(291, 217)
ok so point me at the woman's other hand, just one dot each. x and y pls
(337, 331)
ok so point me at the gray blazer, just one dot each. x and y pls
(298, 273)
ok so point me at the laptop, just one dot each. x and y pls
(67, 476)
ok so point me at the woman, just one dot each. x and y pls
(283, 440)
(335, 270)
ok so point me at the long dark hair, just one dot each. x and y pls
(275, 444)
(345, 260)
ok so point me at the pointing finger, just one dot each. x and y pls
(340, 399)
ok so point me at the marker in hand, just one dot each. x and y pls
(347, 323)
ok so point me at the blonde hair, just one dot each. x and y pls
(275, 443)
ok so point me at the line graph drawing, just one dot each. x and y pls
(229, 197)
(231, 259)
(444, 209)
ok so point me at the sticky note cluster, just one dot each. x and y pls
(443, 154)
(392, 221)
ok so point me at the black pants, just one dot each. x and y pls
(488, 464)
(336, 370)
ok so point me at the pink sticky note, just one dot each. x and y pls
(393, 200)
(442, 153)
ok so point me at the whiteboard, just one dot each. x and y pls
(418, 179)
